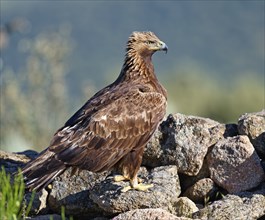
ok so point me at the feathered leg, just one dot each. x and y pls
(130, 165)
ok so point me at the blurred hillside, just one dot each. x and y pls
(67, 50)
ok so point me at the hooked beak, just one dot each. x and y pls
(163, 46)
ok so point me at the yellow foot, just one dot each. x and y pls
(119, 178)
(140, 187)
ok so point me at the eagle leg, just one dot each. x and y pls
(129, 165)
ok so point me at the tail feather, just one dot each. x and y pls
(40, 183)
(40, 172)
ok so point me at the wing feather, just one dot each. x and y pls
(102, 138)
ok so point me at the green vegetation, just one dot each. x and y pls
(63, 216)
(12, 204)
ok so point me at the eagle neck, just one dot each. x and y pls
(137, 67)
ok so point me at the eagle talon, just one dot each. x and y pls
(119, 178)
(126, 188)
(139, 187)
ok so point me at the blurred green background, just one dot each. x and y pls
(56, 54)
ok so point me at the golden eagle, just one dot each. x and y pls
(113, 127)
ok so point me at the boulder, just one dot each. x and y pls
(90, 195)
(72, 192)
(235, 165)
(187, 156)
(12, 161)
(108, 196)
(148, 214)
(245, 206)
(183, 141)
(253, 125)
(48, 217)
(187, 181)
(201, 191)
(185, 207)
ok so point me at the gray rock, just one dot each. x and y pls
(100, 218)
(184, 141)
(12, 161)
(248, 206)
(253, 125)
(31, 154)
(185, 207)
(187, 181)
(201, 191)
(108, 196)
(48, 217)
(21, 157)
(148, 214)
(72, 192)
(235, 165)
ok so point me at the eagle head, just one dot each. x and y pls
(145, 43)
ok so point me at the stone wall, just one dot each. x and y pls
(200, 169)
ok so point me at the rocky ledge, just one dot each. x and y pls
(200, 169)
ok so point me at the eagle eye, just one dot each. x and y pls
(149, 42)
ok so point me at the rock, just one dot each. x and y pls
(235, 165)
(183, 141)
(72, 192)
(185, 207)
(100, 218)
(253, 125)
(148, 214)
(39, 204)
(12, 161)
(31, 154)
(201, 191)
(187, 181)
(153, 153)
(221, 131)
(190, 151)
(21, 157)
(48, 217)
(248, 206)
(263, 165)
(92, 195)
(108, 196)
